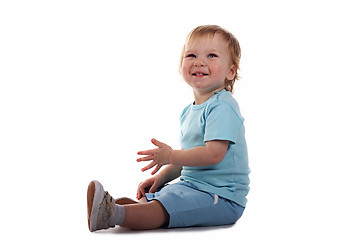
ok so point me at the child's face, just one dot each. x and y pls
(207, 64)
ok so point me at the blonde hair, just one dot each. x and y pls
(231, 43)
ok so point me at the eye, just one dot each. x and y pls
(190, 55)
(212, 55)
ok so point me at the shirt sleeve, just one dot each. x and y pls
(222, 123)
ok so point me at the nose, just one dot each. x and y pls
(199, 63)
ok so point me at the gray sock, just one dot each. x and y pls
(118, 217)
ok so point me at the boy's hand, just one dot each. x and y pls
(152, 184)
(159, 156)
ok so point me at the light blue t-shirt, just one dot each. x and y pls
(218, 118)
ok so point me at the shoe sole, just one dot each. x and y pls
(95, 195)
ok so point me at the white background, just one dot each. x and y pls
(84, 85)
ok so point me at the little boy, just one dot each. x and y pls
(213, 162)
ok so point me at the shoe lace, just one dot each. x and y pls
(110, 203)
(106, 209)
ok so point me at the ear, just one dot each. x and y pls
(232, 73)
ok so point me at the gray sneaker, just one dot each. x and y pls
(100, 206)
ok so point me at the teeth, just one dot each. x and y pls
(199, 74)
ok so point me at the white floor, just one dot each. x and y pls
(64, 217)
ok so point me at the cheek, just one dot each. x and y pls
(218, 70)
(185, 70)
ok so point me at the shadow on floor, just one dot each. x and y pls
(121, 230)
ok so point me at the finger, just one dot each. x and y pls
(156, 169)
(151, 165)
(157, 143)
(138, 194)
(153, 188)
(146, 152)
(147, 158)
(140, 191)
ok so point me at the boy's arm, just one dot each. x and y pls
(213, 152)
(170, 173)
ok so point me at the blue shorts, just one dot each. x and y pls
(187, 206)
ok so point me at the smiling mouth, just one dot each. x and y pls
(200, 74)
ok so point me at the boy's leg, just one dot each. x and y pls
(124, 201)
(152, 215)
(104, 212)
(149, 215)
